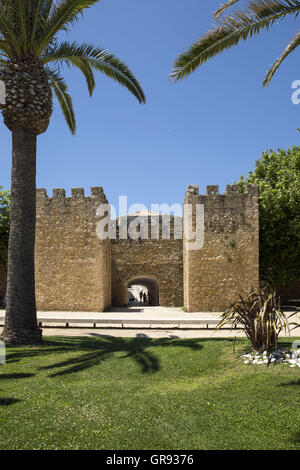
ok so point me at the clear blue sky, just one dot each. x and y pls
(207, 129)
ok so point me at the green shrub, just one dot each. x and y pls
(277, 175)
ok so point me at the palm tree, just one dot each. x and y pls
(230, 30)
(31, 59)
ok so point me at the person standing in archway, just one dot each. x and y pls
(144, 298)
(141, 296)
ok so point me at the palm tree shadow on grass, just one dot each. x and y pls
(293, 383)
(296, 438)
(98, 350)
(15, 376)
(8, 401)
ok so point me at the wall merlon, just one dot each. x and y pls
(192, 190)
(58, 193)
(41, 194)
(77, 193)
(231, 189)
(98, 193)
(212, 190)
(252, 189)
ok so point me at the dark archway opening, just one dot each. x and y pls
(143, 291)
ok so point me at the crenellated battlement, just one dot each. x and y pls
(213, 191)
(230, 195)
(77, 194)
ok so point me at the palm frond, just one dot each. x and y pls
(61, 92)
(241, 25)
(76, 55)
(114, 68)
(22, 10)
(22, 23)
(62, 15)
(295, 42)
(88, 58)
(37, 17)
(67, 50)
(46, 8)
(265, 8)
(7, 29)
(86, 69)
(219, 12)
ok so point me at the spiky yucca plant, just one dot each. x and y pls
(260, 316)
(31, 59)
(230, 30)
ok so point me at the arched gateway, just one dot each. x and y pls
(143, 284)
(155, 263)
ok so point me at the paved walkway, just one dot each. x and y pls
(133, 313)
(138, 313)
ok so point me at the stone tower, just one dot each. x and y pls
(228, 263)
(72, 264)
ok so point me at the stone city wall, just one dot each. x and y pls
(77, 271)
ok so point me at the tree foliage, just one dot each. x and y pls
(4, 224)
(277, 175)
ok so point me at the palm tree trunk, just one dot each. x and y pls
(21, 321)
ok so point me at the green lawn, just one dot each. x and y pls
(142, 393)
